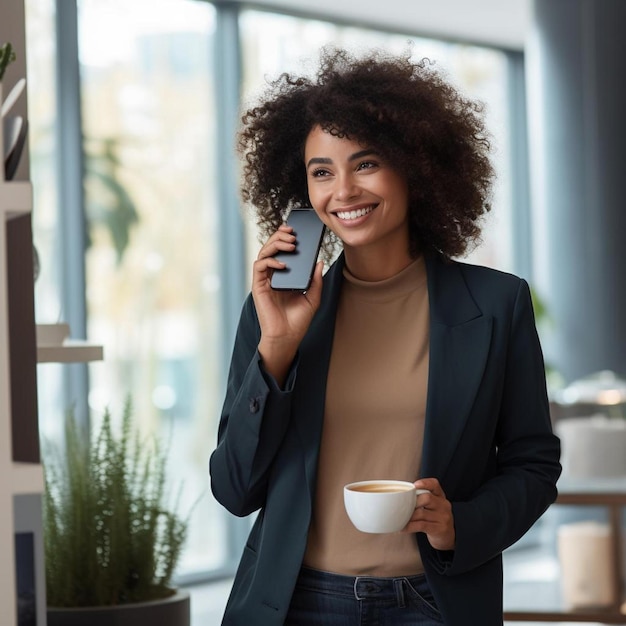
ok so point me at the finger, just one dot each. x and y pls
(432, 484)
(263, 268)
(422, 526)
(440, 534)
(424, 500)
(437, 504)
(284, 232)
(425, 520)
(271, 250)
(426, 509)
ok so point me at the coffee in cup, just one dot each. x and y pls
(380, 506)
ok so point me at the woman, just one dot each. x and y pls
(397, 363)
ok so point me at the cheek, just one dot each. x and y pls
(321, 214)
(319, 206)
(316, 198)
(401, 197)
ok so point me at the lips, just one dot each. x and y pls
(354, 213)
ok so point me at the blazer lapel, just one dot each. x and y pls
(460, 336)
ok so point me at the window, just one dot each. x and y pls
(152, 283)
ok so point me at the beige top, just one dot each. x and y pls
(374, 418)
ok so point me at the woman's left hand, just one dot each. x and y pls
(433, 516)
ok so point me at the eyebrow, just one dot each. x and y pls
(352, 157)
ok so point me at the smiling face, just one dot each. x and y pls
(362, 199)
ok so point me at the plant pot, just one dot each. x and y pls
(172, 611)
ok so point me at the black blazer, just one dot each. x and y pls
(488, 440)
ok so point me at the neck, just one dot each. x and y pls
(375, 267)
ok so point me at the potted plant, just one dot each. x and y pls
(7, 55)
(111, 543)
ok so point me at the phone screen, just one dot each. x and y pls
(309, 232)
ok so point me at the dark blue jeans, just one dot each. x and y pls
(322, 598)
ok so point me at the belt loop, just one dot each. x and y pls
(398, 583)
(356, 593)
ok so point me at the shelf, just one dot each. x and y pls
(55, 346)
(70, 351)
(597, 616)
(27, 478)
(16, 198)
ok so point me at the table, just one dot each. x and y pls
(609, 493)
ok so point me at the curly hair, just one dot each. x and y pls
(406, 110)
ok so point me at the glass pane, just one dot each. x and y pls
(273, 44)
(41, 51)
(153, 288)
(41, 114)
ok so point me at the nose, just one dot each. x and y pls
(346, 188)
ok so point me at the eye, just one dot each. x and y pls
(319, 172)
(367, 165)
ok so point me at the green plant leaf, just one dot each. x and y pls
(7, 56)
(109, 535)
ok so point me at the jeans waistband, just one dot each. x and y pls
(359, 587)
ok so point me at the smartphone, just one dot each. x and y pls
(300, 263)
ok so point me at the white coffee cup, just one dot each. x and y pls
(380, 506)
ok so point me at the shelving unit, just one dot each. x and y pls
(21, 471)
(26, 478)
(16, 479)
(15, 197)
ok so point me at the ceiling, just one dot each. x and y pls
(501, 23)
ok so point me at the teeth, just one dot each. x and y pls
(352, 215)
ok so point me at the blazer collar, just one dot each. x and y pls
(460, 337)
(451, 302)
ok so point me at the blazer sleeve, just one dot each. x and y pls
(253, 422)
(527, 466)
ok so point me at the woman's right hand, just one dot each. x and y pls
(284, 316)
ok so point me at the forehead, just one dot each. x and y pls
(321, 143)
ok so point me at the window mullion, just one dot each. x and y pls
(71, 225)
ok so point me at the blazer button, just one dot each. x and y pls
(254, 405)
